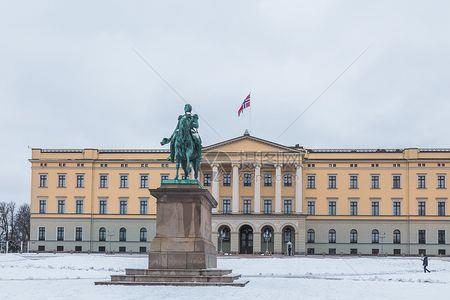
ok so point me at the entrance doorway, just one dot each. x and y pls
(267, 237)
(246, 240)
(288, 236)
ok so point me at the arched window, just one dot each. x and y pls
(143, 235)
(397, 237)
(122, 235)
(332, 236)
(353, 236)
(375, 236)
(311, 236)
(102, 234)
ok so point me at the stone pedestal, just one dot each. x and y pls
(182, 252)
(183, 228)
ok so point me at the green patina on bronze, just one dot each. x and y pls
(180, 181)
(186, 144)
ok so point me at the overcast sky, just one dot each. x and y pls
(70, 79)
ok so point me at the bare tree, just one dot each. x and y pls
(14, 225)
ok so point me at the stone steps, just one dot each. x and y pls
(187, 272)
(177, 277)
(238, 283)
(174, 278)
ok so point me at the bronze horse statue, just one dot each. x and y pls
(185, 144)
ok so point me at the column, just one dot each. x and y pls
(257, 200)
(234, 247)
(215, 184)
(298, 189)
(278, 188)
(235, 194)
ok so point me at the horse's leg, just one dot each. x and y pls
(188, 160)
(178, 168)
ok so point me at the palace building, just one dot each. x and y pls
(332, 201)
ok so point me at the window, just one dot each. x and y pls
(102, 207)
(396, 208)
(441, 208)
(60, 233)
(103, 181)
(287, 179)
(311, 236)
(332, 182)
(267, 206)
(227, 179)
(421, 184)
(422, 237)
(41, 234)
(43, 180)
(396, 184)
(226, 206)
(78, 234)
(122, 249)
(332, 236)
(397, 251)
(421, 208)
(375, 182)
(42, 206)
(353, 251)
(59, 248)
(332, 251)
(247, 206)
(375, 251)
(311, 207)
(80, 181)
(353, 236)
(78, 248)
(353, 208)
(164, 177)
(441, 236)
(310, 251)
(353, 181)
(247, 179)
(123, 181)
(441, 251)
(123, 207)
(287, 206)
(61, 180)
(102, 234)
(61, 204)
(332, 208)
(142, 249)
(375, 208)
(422, 252)
(207, 179)
(143, 207)
(267, 179)
(143, 235)
(441, 182)
(375, 236)
(311, 182)
(396, 237)
(79, 206)
(144, 181)
(122, 235)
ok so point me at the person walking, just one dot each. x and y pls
(289, 248)
(425, 264)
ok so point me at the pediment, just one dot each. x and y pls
(248, 143)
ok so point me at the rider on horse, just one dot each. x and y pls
(187, 120)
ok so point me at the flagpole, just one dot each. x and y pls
(250, 118)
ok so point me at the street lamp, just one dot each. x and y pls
(221, 238)
(267, 235)
(110, 235)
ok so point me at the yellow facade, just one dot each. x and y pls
(309, 171)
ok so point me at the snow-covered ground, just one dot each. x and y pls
(66, 276)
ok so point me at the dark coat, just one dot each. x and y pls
(425, 260)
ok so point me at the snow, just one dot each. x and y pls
(72, 276)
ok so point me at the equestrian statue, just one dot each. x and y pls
(185, 144)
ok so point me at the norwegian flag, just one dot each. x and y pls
(244, 105)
